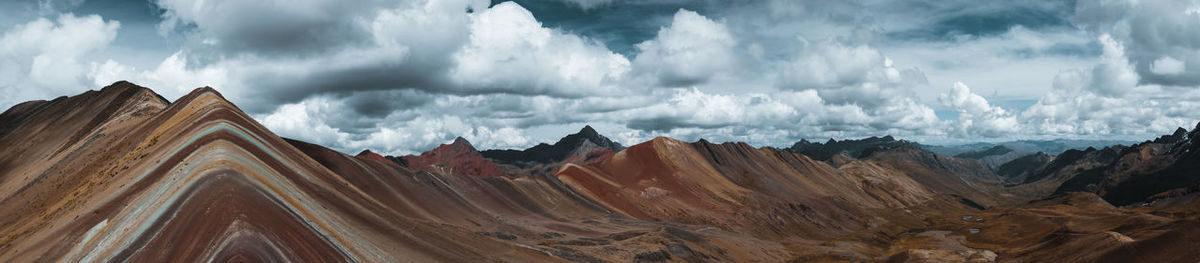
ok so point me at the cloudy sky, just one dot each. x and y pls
(403, 76)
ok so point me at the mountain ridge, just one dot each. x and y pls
(123, 175)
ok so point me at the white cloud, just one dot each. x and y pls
(833, 64)
(171, 78)
(310, 119)
(402, 77)
(690, 51)
(1144, 112)
(976, 116)
(304, 121)
(1149, 30)
(46, 58)
(1114, 76)
(1167, 66)
(509, 50)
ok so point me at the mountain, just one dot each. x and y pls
(1133, 174)
(996, 156)
(852, 148)
(1020, 170)
(765, 192)
(122, 174)
(458, 157)
(1052, 147)
(963, 178)
(994, 151)
(586, 144)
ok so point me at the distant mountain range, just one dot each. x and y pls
(1052, 147)
(122, 174)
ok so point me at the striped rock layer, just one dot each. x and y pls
(121, 174)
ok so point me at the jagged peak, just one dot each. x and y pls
(588, 130)
(460, 141)
(588, 134)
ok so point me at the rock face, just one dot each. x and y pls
(586, 144)
(121, 174)
(458, 157)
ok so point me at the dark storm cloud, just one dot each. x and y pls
(664, 124)
(288, 87)
(377, 104)
(265, 28)
(951, 20)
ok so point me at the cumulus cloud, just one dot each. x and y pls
(1167, 66)
(695, 109)
(754, 117)
(690, 51)
(833, 64)
(47, 58)
(510, 51)
(1149, 31)
(403, 77)
(304, 120)
(396, 134)
(1114, 76)
(1145, 111)
(976, 115)
(446, 47)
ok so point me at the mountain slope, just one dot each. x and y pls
(1143, 170)
(130, 183)
(122, 174)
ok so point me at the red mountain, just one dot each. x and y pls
(458, 157)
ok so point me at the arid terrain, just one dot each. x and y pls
(122, 174)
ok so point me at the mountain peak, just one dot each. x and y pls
(588, 131)
(588, 134)
(587, 137)
(460, 141)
